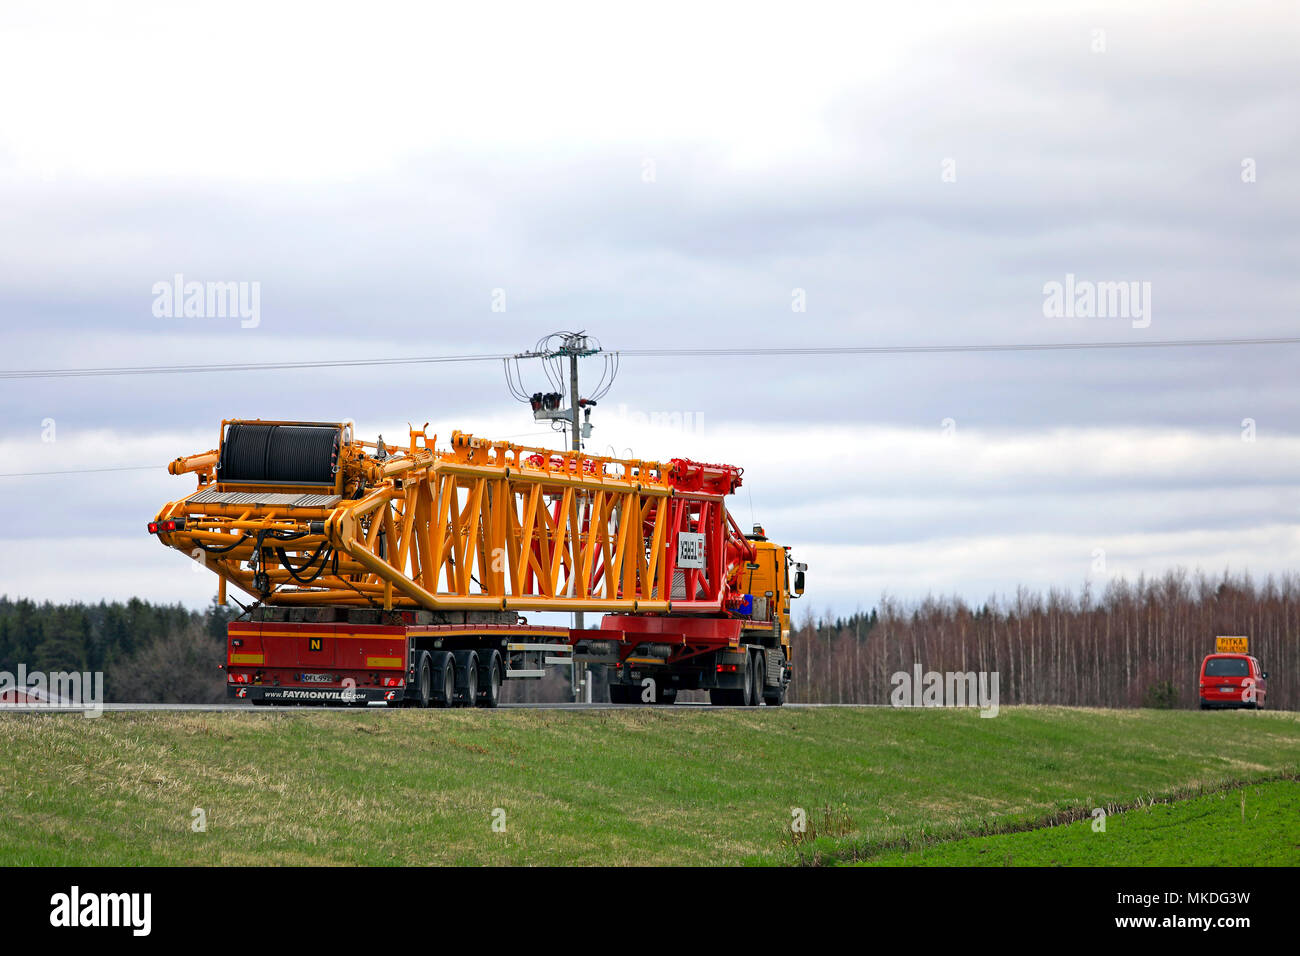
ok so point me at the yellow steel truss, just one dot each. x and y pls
(483, 525)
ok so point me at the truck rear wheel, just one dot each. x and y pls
(466, 677)
(746, 693)
(423, 681)
(489, 680)
(444, 681)
(742, 696)
(758, 668)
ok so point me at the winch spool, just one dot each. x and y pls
(279, 454)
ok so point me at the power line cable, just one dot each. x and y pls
(658, 353)
(80, 471)
(926, 349)
(240, 366)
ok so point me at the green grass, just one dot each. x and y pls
(1254, 824)
(627, 786)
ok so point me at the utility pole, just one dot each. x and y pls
(552, 350)
(577, 447)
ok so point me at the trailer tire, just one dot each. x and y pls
(746, 693)
(490, 677)
(423, 681)
(739, 696)
(444, 679)
(758, 670)
(466, 677)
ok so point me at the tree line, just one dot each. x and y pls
(1132, 645)
(147, 652)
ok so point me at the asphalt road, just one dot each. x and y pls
(231, 707)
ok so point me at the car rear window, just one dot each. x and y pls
(1227, 667)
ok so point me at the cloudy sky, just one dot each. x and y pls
(674, 176)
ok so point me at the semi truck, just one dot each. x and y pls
(401, 575)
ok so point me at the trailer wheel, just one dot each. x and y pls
(444, 681)
(423, 681)
(759, 671)
(466, 677)
(746, 693)
(736, 697)
(489, 680)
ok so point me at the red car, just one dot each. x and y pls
(1232, 680)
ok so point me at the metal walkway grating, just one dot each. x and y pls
(290, 499)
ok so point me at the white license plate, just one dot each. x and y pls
(318, 678)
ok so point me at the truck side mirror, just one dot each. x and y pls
(798, 582)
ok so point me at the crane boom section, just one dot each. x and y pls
(301, 513)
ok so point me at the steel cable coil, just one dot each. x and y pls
(279, 454)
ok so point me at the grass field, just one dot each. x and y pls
(1255, 824)
(625, 786)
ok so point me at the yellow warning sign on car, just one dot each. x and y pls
(1230, 645)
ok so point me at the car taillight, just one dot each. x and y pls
(153, 527)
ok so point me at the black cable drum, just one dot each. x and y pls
(279, 454)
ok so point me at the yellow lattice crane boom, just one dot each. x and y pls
(303, 515)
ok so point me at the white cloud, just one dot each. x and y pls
(844, 577)
(91, 569)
